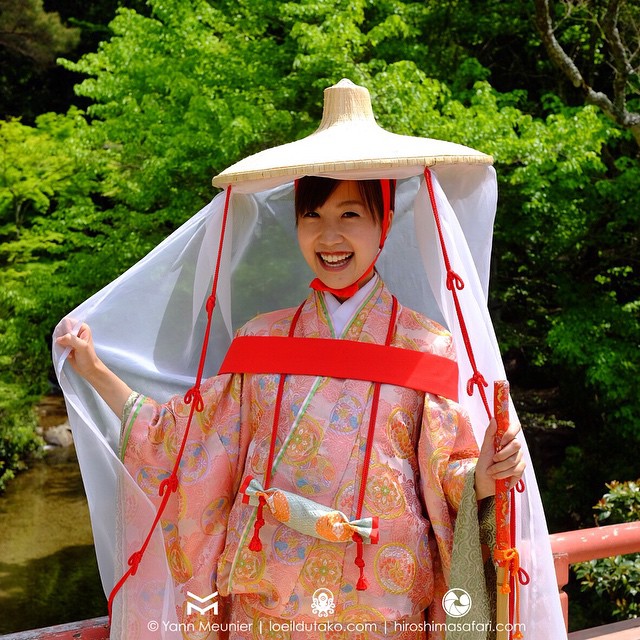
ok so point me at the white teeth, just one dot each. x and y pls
(335, 257)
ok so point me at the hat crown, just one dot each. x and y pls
(344, 103)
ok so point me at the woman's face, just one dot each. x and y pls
(340, 239)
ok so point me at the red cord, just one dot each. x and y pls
(359, 561)
(194, 398)
(454, 284)
(256, 544)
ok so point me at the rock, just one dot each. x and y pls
(59, 436)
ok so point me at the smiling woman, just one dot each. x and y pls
(342, 227)
(249, 475)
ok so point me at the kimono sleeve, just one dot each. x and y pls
(194, 522)
(152, 434)
(447, 455)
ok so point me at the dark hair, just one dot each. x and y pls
(312, 192)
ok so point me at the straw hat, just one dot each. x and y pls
(348, 140)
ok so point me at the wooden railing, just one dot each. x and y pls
(590, 544)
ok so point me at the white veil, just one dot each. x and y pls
(148, 327)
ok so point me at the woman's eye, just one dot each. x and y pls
(310, 214)
(350, 214)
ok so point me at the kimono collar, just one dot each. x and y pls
(342, 313)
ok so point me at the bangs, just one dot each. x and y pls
(312, 192)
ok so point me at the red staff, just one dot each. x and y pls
(505, 553)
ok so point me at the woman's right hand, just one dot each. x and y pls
(84, 360)
(82, 357)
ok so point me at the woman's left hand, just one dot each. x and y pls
(507, 462)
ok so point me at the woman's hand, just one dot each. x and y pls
(507, 462)
(84, 360)
(82, 357)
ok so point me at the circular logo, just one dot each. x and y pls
(456, 602)
(322, 603)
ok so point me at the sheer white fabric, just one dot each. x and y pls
(148, 327)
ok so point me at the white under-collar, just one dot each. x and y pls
(341, 314)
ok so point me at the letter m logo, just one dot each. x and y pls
(191, 606)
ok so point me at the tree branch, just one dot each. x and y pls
(622, 67)
(616, 109)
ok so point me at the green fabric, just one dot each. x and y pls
(474, 526)
(127, 420)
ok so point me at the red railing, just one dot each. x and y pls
(590, 544)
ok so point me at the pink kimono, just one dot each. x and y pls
(423, 453)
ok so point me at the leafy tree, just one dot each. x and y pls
(27, 29)
(31, 38)
(595, 38)
(35, 171)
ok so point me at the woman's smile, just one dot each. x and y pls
(335, 261)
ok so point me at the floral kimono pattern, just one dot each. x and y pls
(423, 453)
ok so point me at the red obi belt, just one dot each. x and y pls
(343, 359)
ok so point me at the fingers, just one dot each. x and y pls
(69, 340)
(490, 433)
(510, 434)
(508, 460)
(512, 466)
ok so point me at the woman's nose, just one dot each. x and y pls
(331, 233)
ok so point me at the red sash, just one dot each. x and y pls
(344, 359)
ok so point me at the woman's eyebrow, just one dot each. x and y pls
(349, 203)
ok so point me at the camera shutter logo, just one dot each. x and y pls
(322, 603)
(194, 607)
(456, 602)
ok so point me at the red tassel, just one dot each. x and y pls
(256, 543)
(362, 582)
(359, 562)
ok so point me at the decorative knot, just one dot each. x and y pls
(477, 379)
(134, 561)
(510, 559)
(256, 543)
(362, 583)
(211, 304)
(170, 483)
(194, 395)
(520, 486)
(454, 280)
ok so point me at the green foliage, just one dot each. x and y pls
(620, 504)
(18, 438)
(617, 579)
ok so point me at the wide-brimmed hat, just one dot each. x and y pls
(348, 141)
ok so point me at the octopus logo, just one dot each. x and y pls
(322, 603)
(456, 602)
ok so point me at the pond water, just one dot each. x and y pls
(48, 570)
